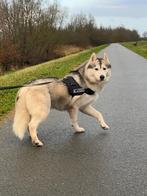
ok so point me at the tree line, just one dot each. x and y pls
(30, 33)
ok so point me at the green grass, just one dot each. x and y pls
(56, 68)
(140, 49)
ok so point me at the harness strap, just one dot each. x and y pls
(74, 88)
(89, 91)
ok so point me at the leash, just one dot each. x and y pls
(74, 88)
(20, 86)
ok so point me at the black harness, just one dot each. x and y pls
(74, 88)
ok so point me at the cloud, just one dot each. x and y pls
(130, 13)
(132, 23)
(125, 8)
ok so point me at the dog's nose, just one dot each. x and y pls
(102, 77)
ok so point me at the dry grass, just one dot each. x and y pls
(67, 50)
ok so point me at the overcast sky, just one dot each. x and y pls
(129, 13)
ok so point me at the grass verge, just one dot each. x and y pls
(140, 48)
(56, 68)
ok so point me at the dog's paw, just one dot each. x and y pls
(105, 126)
(37, 143)
(80, 130)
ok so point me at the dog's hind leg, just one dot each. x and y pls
(89, 110)
(39, 108)
(34, 123)
(33, 131)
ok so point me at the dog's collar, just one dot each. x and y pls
(74, 88)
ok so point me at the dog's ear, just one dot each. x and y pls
(92, 58)
(91, 61)
(106, 59)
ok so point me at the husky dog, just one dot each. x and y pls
(74, 92)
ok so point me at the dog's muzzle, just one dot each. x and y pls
(102, 77)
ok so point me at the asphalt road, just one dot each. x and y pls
(95, 163)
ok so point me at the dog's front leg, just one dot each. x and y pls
(73, 113)
(89, 110)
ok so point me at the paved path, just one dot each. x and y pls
(96, 163)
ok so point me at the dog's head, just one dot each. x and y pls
(98, 70)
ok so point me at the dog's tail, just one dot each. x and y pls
(21, 118)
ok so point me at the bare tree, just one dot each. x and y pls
(30, 32)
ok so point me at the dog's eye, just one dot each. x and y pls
(104, 68)
(96, 69)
